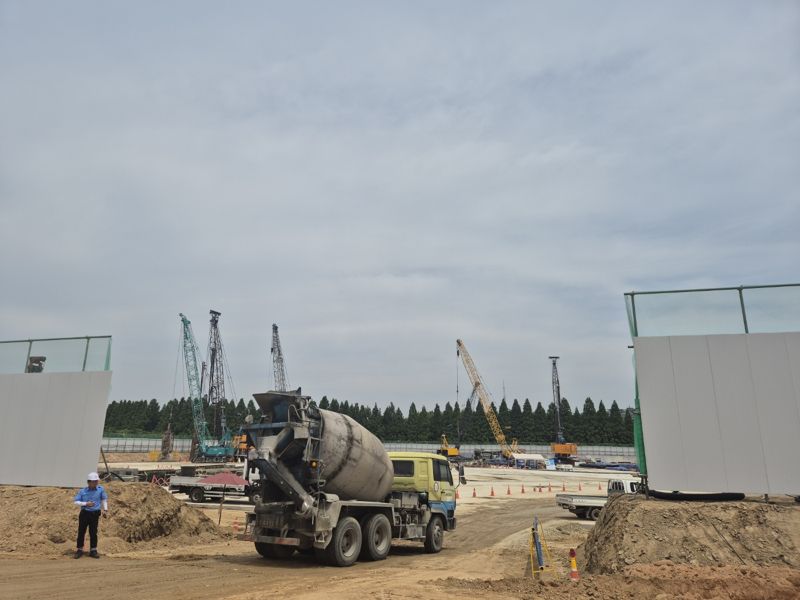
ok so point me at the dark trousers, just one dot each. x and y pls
(88, 518)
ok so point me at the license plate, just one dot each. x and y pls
(271, 521)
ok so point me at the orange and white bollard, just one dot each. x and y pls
(573, 566)
(474, 495)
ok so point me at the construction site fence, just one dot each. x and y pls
(618, 453)
(114, 444)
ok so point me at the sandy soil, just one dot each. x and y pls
(38, 521)
(485, 557)
(632, 531)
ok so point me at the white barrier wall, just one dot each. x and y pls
(51, 426)
(721, 413)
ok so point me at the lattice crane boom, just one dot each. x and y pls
(216, 375)
(479, 389)
(190, 352)
(278, 366)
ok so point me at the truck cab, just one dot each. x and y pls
(430, 475)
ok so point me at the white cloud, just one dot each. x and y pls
(381, 181)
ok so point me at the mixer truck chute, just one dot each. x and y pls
(330, 487)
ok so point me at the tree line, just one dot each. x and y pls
(591, 425)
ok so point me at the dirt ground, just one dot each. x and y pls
(632, 530)
(486, 557)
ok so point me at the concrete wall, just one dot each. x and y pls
(51, 425)
(721, 412)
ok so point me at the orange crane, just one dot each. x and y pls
(479, 390)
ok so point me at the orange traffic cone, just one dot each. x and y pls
(580, 489)
(458, 495)
(508, 493)
(573, 566)
(474, 495)
(540, 489)
(599, 489)
(563, 486)
(492, 494)
(549, 487)
(522, 491)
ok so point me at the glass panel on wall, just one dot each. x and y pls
(56, 355)
(689, 313)
(13, 356)
(98, 356)
(774, 309)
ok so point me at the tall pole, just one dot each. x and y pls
(557, 401)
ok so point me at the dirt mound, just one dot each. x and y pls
(44, 521)
(632, 530)
(660, 582)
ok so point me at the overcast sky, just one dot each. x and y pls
(382, 178)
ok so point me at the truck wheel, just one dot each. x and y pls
(196, 494)
(255, 497)
(376, 537)
(274, 550)
(345, 544)
(593, 513)
(434, 535)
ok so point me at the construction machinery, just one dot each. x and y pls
(205, 446)
(480, 391)
(445, 449)
(329, 487)
(278, 367)
(564, 452)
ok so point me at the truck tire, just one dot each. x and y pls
(196, 494)
(376, 537)
(277, 551)
(580, 513)
(345, 544)
(594, 513)
(434, 535)
(255, 497)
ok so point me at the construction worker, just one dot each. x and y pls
(252, 454)
(90, 499)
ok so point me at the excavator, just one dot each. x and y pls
(445, 449)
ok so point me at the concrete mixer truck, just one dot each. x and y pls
(329, 487)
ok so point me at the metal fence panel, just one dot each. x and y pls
(721, 413)
(51, 425)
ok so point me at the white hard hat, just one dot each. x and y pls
(93, 476)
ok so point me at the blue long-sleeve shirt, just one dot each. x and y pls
(97, 495)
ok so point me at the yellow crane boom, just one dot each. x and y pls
(479, 390)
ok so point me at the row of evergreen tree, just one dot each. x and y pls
(592, 425)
